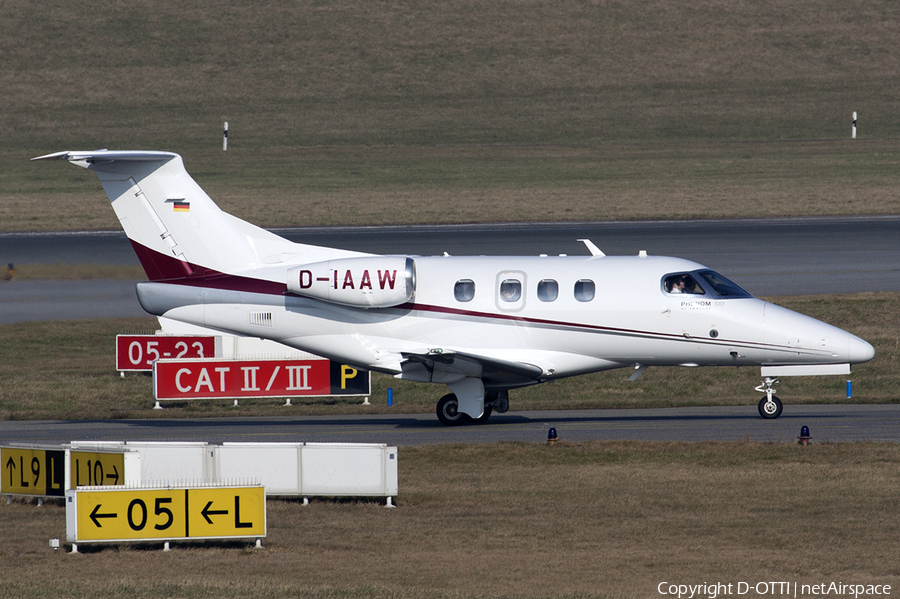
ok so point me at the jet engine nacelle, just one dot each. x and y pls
(370, 282)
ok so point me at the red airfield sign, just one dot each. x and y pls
(139, 352)
(215, 379)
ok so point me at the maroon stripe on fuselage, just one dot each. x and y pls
(158, 266)
(169, 269)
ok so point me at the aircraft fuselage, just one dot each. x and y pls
(480, 325)
(628, 319)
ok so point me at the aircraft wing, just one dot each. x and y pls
(447, 365)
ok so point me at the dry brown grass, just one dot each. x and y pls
(524, 520)
(458, 111)
(668, 181)
(503, 184)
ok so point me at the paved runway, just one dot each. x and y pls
(827, 423)
(23, 301)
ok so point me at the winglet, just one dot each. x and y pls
(593, 249)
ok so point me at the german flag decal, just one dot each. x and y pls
(180, 205)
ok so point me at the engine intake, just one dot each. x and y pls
(376, 282)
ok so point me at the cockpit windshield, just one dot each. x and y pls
(702, 282)
(720, 285)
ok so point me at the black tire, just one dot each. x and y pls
(448, 411)
(770, 411)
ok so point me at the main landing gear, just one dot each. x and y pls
(449, 415)
(770, 406)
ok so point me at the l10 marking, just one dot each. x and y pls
(165, 514)
(95, 469)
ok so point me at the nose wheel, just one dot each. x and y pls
(770, 406)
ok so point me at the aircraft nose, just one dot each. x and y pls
(860, 351)
(833, 344)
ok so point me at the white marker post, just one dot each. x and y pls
(225, 135)
(853, 128)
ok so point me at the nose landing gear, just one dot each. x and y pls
(770, 406)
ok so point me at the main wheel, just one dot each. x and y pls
(770, 409)
(448, 411)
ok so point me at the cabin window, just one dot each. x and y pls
(511, 290)
(548, 290)
(584, 290)
(464, 290)
(683, 283)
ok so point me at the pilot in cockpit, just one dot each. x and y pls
(677, 285)
(681, 284)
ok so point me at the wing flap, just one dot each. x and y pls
(450, 366)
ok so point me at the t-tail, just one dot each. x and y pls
(176, 230)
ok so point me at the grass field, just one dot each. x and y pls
(522, 520)
(459, 111)
(402, 185)
(66, 370)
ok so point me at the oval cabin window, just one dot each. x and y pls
(548, 290)
(584, 290)
(464, 290)
(511, 290)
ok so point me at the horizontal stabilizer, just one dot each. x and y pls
(102, 156)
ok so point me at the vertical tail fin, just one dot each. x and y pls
(177, 231)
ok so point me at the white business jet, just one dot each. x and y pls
(480, 325)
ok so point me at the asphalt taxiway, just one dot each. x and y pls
(765, 256)
(827, 423)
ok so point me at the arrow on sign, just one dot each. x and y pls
(206, 512)
(95, 515)
(114, 475)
